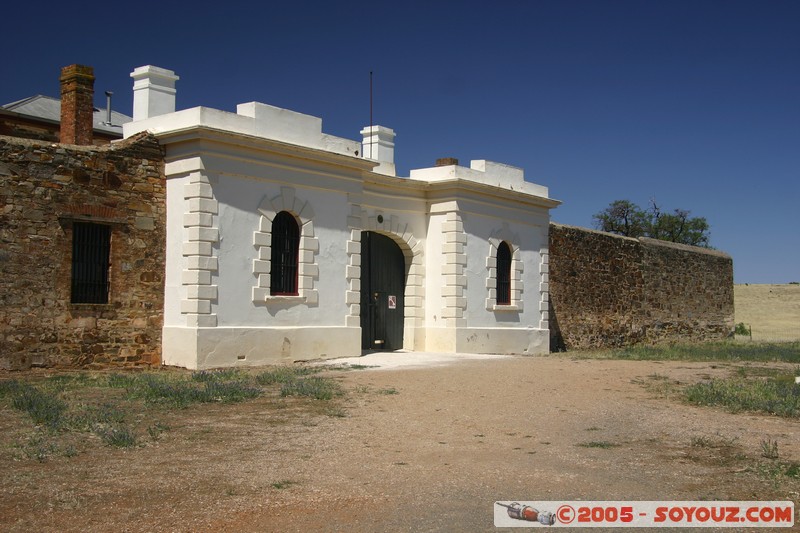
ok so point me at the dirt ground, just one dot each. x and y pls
(419, 449)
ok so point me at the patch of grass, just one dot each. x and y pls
(336, 412)
(659, 385)
(776, 470)
(106, 413)
(39, 447)
(155, 430)
(313, 387)
(750, 371)
(162, 390)
(71, 380)
(285, 374)
(388, 391)
(593, 428)
(117, 436)
(769, 449)
(792, 470)
(112, 405)
(222, 374)
(9, 387)
(602, 444)
(158, 390)
(770, 396)
(228, 392)
(121, 381)
(44, 408)
(788, 352)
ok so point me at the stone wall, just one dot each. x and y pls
(44, 189)
(607, 290)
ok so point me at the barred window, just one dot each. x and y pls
(91, 247)
(503, 274)
(285, 246)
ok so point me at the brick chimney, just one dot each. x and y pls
(77, 104)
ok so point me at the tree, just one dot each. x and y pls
(678, 226)
(623, 217)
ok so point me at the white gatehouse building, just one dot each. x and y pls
(285, 243)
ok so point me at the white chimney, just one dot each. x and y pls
(153, 92)
(379, 145)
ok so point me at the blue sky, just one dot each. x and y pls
(695, 103)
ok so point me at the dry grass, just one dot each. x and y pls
(772, 311)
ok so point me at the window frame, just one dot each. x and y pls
(285, 254)
(90, 277)
(503, 276)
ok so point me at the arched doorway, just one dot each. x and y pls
(383, 283)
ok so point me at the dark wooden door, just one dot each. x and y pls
(382, 287)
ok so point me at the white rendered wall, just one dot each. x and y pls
(239, 218)
(504, 329)
(241, 325)
(478, 329)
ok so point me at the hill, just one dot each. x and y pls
(772, 311)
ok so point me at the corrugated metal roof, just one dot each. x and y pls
(49, 109)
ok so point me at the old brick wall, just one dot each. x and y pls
(44, 189)
(688, 292)
(607, 291)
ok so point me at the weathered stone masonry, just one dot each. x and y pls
(44, 189)
(607, 290)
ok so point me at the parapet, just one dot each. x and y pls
(481, 171)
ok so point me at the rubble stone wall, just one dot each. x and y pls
(44, 189)
(609, 291)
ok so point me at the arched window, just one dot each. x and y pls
(503, 274)
(285, 245)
